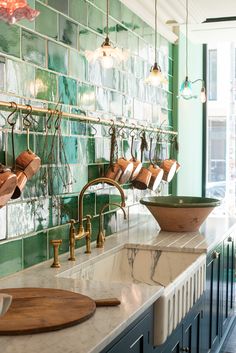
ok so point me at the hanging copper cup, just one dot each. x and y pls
(8, 181)
(137, 165)
(157, 172)
(169, 166)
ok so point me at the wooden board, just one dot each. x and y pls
(35, 310)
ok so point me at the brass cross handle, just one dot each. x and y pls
(56, 243)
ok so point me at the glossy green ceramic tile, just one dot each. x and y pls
(78, 127)
(90, 150)
(80, 173)
(67, 88)
(69, 208)
(2, 73)
(78, 10)
(115, 105)
(101, 4)
(96, 19)
(35, 249)
(115, 9)
(102, 99)
(127, 17)
(59, 5)
(10, 257)
(68, 32)
(46, 22)
(110, 223)
(20, 78)
(24, 212)
(57, 57)
(26, 23)
(102, 198)
(45, 85)
(33, 48)
(59, 233)
(88, 40)
(46, 213)
(9, 39)
(78, 65)
(68, 150)
(46, 147)
(86, 96)
(95, 171)
(89, 204)
(20, 144)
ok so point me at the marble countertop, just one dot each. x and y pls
(96, 333)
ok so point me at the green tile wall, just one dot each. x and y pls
(43, 62)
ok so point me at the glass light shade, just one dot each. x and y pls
(155, 77)
(186, 90)
(108, 55)
(203, 96)
(12, 11)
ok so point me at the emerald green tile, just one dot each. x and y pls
(9, 39)
(2, 73)
(57, 57)
(86, 96)
(110, 225)
(67, 90)
(102, 198)
(96, 19)
(10, 257)
(68, 32)
(89, 40)
(20, 78)
(69, 152)
(59, 233)
(23, 212)
(45, 85)
(78, 127)
(89, 204)
(33, 48)
(59, 180)
(69, 208)
(46, 147)
(91, 150)
(78, 10)
(36, 186)
(35, 249)
(78, 65)
(26, 23)
(20, 145)
(102, 4)
(59, 5)
(80, 177)
(46, 22)
(95, 171)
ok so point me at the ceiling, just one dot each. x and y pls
(172, 13)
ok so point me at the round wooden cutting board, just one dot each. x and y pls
(35, 310)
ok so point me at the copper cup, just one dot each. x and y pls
(178, 166)
(126, 168)
(156, 178)
(143, 179)
(8, 182)
(114, 172)
(169, 167)
(21, 181)
(136, 169)
(29, 162)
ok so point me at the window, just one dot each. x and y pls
(212, 74)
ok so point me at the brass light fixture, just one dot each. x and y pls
(186, 86)
(155, 77)
(107, 54)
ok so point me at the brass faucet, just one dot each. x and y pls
(88, 231)
(101, 232)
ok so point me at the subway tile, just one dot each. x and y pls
(62, 233)
(68, 150)
(69, 208)
(10, 257)
(80, 177)
(20, 145)
(67, 88)
(110, 224)
(78, 65)
(20, 78)
(95, 171)
(2, 73)
(46, 213)
(57, 57)
(26, 22)
(47, 22)
(89, 204)
(68, 32)
(89, 40)
(3, 222)
(59, 5)
(9, 39)
(45, 85)
(78, 10)
(96, 19)
(35, 249)
(24, 212)
(86, 96)
(33, 48)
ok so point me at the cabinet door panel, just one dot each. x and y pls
(174, 342)
(192, 329)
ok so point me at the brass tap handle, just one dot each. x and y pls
(56, 244)
(88, 234)
(72, 240)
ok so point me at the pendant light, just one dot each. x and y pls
(12, 11)
(107, 54)
(186, 86)
(155, 77)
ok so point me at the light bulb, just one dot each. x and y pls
(186, 89)
(107, 61)
(203, 95)
(155, 77)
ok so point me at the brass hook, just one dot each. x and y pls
(121, 133)
(151, 134)
(50, 112)
(26, 122)
(132, 133)
(94, 133)
(112, 128)
(12, 122)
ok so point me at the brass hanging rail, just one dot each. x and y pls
(87, 118)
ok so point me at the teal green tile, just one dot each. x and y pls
(78, 65)
(59, 5)
(33, 48)
(91, 150)
(46, 22)
(57, 57)
(9, 39)
(62, 233)
(10, 257)
(96, 19)
(86, 96)
(127, 17)
(67, 90)
(78, 10)
(59, 180)
(69, 153)
(36, 187)
(46, 147)
(80, 177)
(89, 40)
(102, 4)
(110, 225)
(26, 23)
(102, 198)
(35, 249)
(115, 9)
(68, 32)
(45, 85)
(95, 171)
(20, 78)
(2, 73)
(25, 213)
(20, 144)
(69, 208)
(89, 204)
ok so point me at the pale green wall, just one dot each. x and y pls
(189, 121)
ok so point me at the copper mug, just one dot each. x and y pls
(8, 181)
(156, 178)
(126, 168)
(29, 162)
(137, 165)
(169, 167)
(142, 181)
(21, 181)
(114, 172)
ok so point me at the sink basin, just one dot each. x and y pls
(181, 273)
(180, 213)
